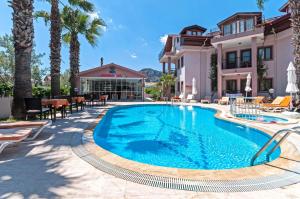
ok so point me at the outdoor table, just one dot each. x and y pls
(78, 100)
(103, 99)
(55, 104)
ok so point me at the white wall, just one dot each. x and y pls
(5, 107)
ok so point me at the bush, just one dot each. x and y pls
(154, 92)
(6, 89)
(41, 92)
(65, 90)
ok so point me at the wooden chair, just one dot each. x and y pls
(33, 106)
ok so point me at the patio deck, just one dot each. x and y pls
(48, 168)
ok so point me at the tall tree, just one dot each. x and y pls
(75, 23)
(55, 42)
(294, 6)
(55, 47)
(23, 34)
(7, 60)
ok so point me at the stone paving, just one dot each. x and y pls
(48, 168)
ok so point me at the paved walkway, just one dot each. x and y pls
(47, 168)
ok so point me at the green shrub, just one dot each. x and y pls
(6, 89)
(154, 92)
(42, 92)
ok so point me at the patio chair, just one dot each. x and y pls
(190, 97)
(206, 100)
(223, 101)
(39, 126)
(177, 98)
(278, 105)
(33, 106)
(10, 136)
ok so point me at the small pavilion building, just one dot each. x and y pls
(118, 82)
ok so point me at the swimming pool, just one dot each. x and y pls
(262, 118)
(188, 137)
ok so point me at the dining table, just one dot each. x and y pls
(54, 104)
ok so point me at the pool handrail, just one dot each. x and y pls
(287, 132)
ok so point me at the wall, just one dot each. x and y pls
(5, 107)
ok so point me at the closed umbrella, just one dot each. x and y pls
(292, 81)
(194, 89)
(248, 84)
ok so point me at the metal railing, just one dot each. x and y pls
(244, 62)
(286, 132)
(244, 107)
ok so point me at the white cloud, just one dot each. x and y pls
(133, 56)
(111, 25)
(163, 39)
(143, 41)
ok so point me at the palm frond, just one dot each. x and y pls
(260, 4)
(42, 14)
(67, 37)
(83, 4)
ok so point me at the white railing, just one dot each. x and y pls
(244, 107)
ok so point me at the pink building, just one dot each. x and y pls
(244, 44)
(118, 82)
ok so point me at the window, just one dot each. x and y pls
(231, 86)
(246, 58)
(178, 86)
(178, 63)
(182, 61)
(227, 29)
(242, 26)
(233, 28)
(265, 84)
(265, 53)
(177, 39)
(189, 33)
(231, 60)
(249, 24)
(199, 33)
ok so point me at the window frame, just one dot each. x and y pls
(264, 53)
(241, 57)
(227, 59)
(264, 79)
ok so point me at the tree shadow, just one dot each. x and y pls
(37, 168)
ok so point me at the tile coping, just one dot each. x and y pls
(281, 172)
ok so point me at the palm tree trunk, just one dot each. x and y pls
(23, 34)
(55, 46)
(74, 62)
(295, 19)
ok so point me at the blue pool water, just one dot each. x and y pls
(179, 137)
(264, 118)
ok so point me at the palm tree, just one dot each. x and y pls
(76, 23)
(23, 34)
(55, 48)
(56, 30)
(166, 82)
(295, 23)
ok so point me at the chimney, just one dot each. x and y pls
(101, 61)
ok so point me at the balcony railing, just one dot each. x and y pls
(236, 63)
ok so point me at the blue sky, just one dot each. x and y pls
(135, 27)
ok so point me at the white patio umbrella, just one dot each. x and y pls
(292, 81)
(248, 84)
(194, 89)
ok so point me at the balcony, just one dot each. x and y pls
(238, 37)
(235, 64)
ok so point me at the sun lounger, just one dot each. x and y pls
(206, 100)
(240, 100)
(224, 101)
(40, 125)
(177, 98)
(278, 105)
(258, 100)
(13, 135)
(190, 97)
